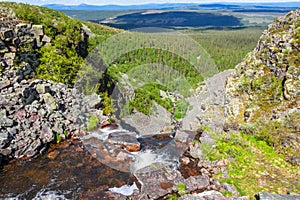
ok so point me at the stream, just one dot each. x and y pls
(72, 169)
(91, 164)
(66, 172)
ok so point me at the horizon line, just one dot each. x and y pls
(199, 3)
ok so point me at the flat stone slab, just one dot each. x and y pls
(158, 180)
(194, 183)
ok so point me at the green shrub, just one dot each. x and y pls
(107, 104)
(181, 109)
(92, 122)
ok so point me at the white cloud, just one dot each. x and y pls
(130, 2)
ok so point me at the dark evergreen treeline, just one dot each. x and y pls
(174, 19)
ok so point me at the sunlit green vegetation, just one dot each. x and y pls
(107, 104)
(168, 72)
(181, 109)
(145, 96)
(61, 60)
(100, 33)
(92, 122)
(253, 166)
(181, 187)
(159, 59)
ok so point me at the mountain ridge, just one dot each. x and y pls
(169, 6)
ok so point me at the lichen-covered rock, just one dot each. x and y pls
(153, 179)
(266, 86)
(292, 83)
(49, 101)
(6, 34)
(4, 139)
(269, 196)
(209, 195)
(269, 75)
(34, 112)
(5, 121)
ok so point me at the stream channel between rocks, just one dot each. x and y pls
(104, 160)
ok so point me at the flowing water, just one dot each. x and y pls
(70, 170)
(66, 173)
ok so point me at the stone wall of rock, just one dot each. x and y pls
(34, 112)
(18, 40)
(267, 81)
(264, 91)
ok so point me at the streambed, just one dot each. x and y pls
(71, 170)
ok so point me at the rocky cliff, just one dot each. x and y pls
(263, 95)
(34, 112)
(253, 115)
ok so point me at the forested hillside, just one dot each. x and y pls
(227, 47)
(70, 41)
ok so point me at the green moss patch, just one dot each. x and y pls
(254, 165)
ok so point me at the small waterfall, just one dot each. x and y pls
(152, 150)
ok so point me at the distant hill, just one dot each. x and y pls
(114, 7)
(173, 6)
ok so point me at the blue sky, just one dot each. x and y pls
(131, 2)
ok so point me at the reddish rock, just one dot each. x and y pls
(163, 135)
(125, 139)
(64, 144)
(223, 163)
(34, 117)
(133, 147)
(156, 178)
(53, 154)
(185, 160)
(166, 185)
(20, 114)
(104, 124)
(79, 165)
(100, 152)
(79, 149)
(215, 170)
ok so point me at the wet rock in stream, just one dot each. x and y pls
(125, 139)
(61, 172)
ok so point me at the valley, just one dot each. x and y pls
(158, 101)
